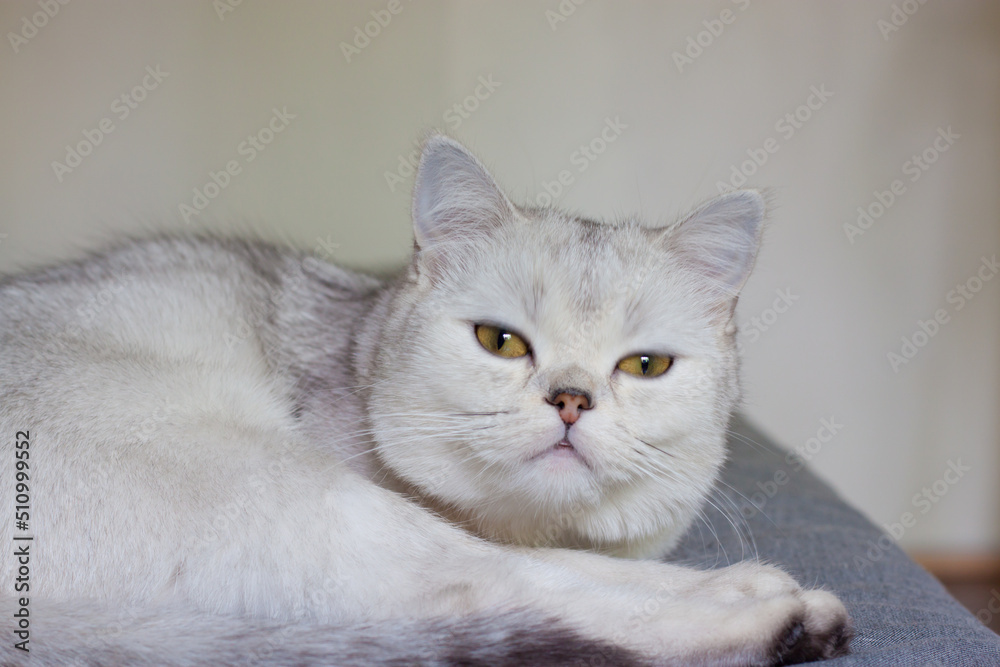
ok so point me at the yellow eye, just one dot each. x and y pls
(645, 365)
(501, 342)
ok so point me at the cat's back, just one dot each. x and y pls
(129, 318)
(136, 289)
(162, 292)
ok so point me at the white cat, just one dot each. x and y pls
(238, 453)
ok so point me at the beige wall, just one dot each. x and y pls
(322, 180)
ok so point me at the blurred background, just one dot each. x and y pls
(871, 324)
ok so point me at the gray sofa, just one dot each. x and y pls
(787, 516)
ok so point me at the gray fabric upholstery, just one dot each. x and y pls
(902, 615)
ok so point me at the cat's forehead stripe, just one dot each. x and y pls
(580, 268)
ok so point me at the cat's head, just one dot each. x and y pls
(554, 380)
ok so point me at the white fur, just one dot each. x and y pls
(249, 432)
(585, 296)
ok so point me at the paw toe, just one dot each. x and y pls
(824, 632)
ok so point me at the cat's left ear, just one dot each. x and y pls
(455, 200)
(719, 240)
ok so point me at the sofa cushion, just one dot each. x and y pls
(769, 506)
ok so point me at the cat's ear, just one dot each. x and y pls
(455, 200)
(719, 240)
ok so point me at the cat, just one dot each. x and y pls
(237, 453)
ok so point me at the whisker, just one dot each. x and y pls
(745, 534)
(747, 440)
(670, 454)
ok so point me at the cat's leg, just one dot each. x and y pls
(355, 551)
(821, 626)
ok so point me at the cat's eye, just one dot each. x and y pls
(645, 365)
(501, 342)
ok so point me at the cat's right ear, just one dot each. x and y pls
(719, 241)
(455, 201)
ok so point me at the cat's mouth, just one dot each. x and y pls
(564, 450)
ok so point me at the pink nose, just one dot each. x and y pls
(570, 405)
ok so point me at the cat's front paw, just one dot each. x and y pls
(824, 632)
(774, 621)
(746, 614)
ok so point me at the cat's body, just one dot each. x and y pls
(247, 437)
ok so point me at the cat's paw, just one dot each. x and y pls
(746, 614)
(774, 621)
(824, 632)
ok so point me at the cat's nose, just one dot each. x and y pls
(570, 402)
